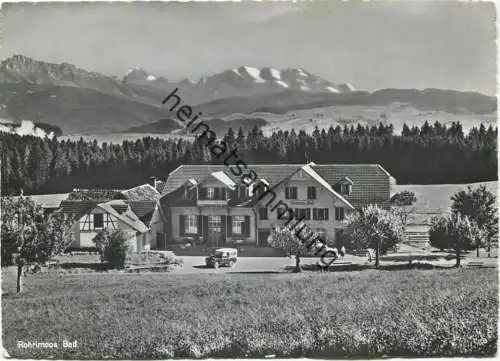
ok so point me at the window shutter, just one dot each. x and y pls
(315, 214)
(201, 193)
(308, 213)
(223, 233)
(247, 226)
(217, 193)
(223, 193)
(287, 193)
(205, 226)
(182, 225)
(200, 226)
(229, 226)
(326, 214)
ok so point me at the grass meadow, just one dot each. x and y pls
(368, 313)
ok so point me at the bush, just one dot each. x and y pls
(115, 252)
(89, 250)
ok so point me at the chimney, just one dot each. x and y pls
(155, 182)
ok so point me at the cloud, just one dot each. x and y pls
(27, 127)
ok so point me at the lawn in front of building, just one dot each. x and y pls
(450, 312)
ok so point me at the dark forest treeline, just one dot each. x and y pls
(430, 154)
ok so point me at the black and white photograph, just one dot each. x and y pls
(254, 179)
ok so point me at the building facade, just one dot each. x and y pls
(134, 211)
(213, 205)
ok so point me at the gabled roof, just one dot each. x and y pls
(143, 209)
(98, 195)
(345, 180)
(224, 179)
(78, 208)
(127, 217)
(370, 182)
(47, 200)
(273, 173)
(143, 192)
(311, 172)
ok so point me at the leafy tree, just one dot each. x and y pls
(480, 206)
(401, 203)
(455, 232)
(403, 198)
(438, 234)
(34, 236)
(294, 243)
(373, 227)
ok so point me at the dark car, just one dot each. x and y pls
(222, 257)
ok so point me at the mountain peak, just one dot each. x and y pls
(273, 79)
(138, 75)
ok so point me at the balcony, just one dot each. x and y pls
(301, 202)
(212, 202)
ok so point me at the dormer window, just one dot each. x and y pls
(344, 186)
(258, 187)
(345, 189)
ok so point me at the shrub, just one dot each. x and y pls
(115, 252)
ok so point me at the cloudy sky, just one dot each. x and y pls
(372, 45)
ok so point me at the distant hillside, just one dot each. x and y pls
(76, 110)
(85, 102)
(436, 198)
(218, 125)
(282, 102)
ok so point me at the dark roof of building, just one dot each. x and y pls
(143, 209)
(47, 200)
(273, 173)
(78, 208)
(99, 195)
(144, 192)
(370, 181)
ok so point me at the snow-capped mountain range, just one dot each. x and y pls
(263, 79)
(80, 101)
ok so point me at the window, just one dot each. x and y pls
(320, 214)
(210, 193)
(291, 192)
(262, 214)
(339, 214)
(345, 188)
(302, 213)
(311, 192)
(214, 221)
(191, 224)
(98, 220)
(238, 224)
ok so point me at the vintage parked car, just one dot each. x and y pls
(222, 257)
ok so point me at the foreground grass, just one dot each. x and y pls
(367, 313)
